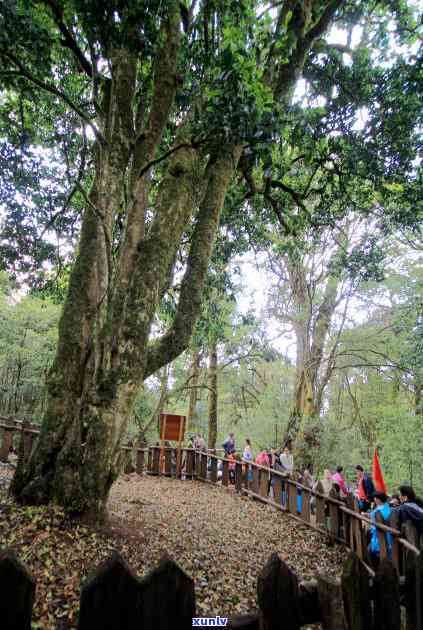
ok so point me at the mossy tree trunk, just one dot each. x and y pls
(212, 380)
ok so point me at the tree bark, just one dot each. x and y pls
(193, 392)
(212, 395)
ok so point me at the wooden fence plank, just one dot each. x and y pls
(244, 622)
(320, 506)
(333, 514)
(277, 489)
(331, 603)
(264, 483)
(167, 599)
(156, 460)
(386, 597)
(189, 463)
(203, 466)
(356, 594)
(255, 482)
(381, 536)
(305, 506)
(140, 461)
(168, 462)
(213, 471)
(292, 497)
(111, 599)
(16, 595)
(278, 596)
(238, 477)
(6, 443)
(225, 474)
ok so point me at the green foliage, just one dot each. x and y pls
(28, 337)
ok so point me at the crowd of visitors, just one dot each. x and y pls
(405, 505)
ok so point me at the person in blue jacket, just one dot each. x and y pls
(382, 506)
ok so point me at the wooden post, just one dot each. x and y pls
(244, 622)
(331, 603)
(179, 449)
(278, 596)
(167, 599)
(333, 513)
(17, 594)
(381, 536)
(292, 496)
(6, 443)
(277, 489)
(263, 482)
(356, 594)
(256, 481)
(225, 473)
(386, 597)
(197, 462)
(320, 506)
(168, 461)
(413, 580)
(305, 506)
(346, 521)
(189, 463)
(238, 477)
(156, 460)
(204, 466)
(150, 460)
(213, 471)
(396, 551)
(111, 599)
(140, 461)
(357, 534)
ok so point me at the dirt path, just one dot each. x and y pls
(218, 538)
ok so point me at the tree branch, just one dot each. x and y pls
(56, 92)
(69, 41)
(218, 174)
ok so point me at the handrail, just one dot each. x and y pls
(330, 500)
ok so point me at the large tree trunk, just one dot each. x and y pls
(212, 395)
(192, 419)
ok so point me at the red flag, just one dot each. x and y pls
(378, 479)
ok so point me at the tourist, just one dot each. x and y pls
(409, 510)
(338, 478)
(263, 459)
(232, 460)
(307, 479)
(199, 443)
(365, 489)
(287, 460)
(382, 506)
(326, 481)
(394, 501)
(247, 458)
(229, 444)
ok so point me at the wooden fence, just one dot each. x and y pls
(339, 520)
(114, 598)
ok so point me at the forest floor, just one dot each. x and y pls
(219, 539)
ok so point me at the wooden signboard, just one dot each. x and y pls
(172, 427)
